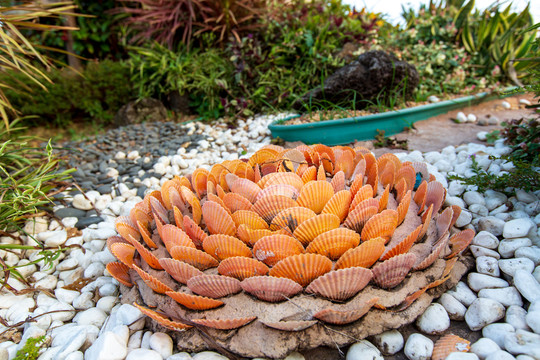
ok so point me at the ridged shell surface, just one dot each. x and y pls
(342, 284)
(271, 289)
(302, 268)
(214, 286)
(391, 273)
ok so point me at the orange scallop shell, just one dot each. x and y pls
(342, 317)
(420, 196)
(401, 189)
(224, 324)
(315, 194)
(241, 267)
(123, 252)
(338, 204)
(403, 207)
(199, 179)
(291, 218)
(146, 255)
(194, 231)
(302, 268)
(146, 235)
(460, 241)
(192, 200)
(194, 302)
(269, 206)
(249, 218)
(159, 210)
(214, 286)
(334, 243)
(357, 183)
(274, 248)
(162, 320)
(235, 202)
(126, 228)
(310, 174)
(224, 246)
(311, 228)
(404, 245)
(116, 239)
(166, 189)
(357, 218)
(435, 194)
(290, 325)
(407, 174)
(338, 181)
(448, 344)
(217, 199)
(151, 281)
(383, 198)
(279, 189)
(251, 236)
(261, 156)
(392, 272)
(387, 172)
(380, 225)
(364, 255)
(174, 236)
(217, 219)
(372, 175)
(179, 270)
(364, 193)
(282, 178)
(341, 284)
(269, 288)
(455, 214)
(444, 220)
(119, 271)
(138, 215)
(194, 257)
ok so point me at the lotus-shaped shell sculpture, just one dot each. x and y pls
(334, 231)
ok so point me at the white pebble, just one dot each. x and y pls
(389, 342)
(483, 312)
(497, 332)
(455, 309)
(162, 343)
(418, 347)
(483, 347)
(363, 350)
(144, 354)
(478, 281)
(434, 320)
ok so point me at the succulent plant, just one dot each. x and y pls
(288, 241)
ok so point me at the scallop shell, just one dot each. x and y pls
(391, 158)
(357, 184)
(357, 218)
(217, 199)
(123, 252)
(401, 189)
(444, 220)
(342, 284)
(311, 228)
(302, 268)
(426, 219)
(199, 179)
(151, 281)
(334, 243)
(146, 235)
(162, 320)
(249, 218)
(279, 189)
(338, 181)
(403, 207)
(159, 210)
(420, 196)
(192, 200)
(169, 187)
(274, 248)
(235, 202)
(460, 241)
(194, 257)
(326, 156)
(269, 288)
(214, 286)
(373, 176)
(179, 270)
(448, 344)
(310, 174)
(338, 205)
(342, 317)
(195, 233)
(282, 178)
(407, 174)
(194, 302)
(126, 229)
(137, 215)
(114, 240)
(217, 220)
(174, 236)
(291, 218)
(364, 255)
(224, 324)
(251, 236)
(455, 215)
(435, 194)
(392, 272)
(261, 156)
(387, 172)
(434, 255)
(345, 163)
(364, 193)
(269, 206)
(224, 246)
(383, 198)
(147, 256)
(380, 225)
(404, 245)
(290, 325)
(315, 194)
(119, 271)
(242, 267)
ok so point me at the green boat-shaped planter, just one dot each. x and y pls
(345, 131)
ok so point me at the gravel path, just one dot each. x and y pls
(85, 319)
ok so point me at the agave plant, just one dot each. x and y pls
(17, 53)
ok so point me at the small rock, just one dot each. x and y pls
(92, 316)
(461, 117)
(487, 265)
(486, 239)
(533, 320)
(483, 312)
(434, 320)
(483, 347)
(517, 228)
(523, 342)
(66, 296)
(515, 316)
(507, 296)
(473, 197)
(524, 196)
(506, 105)
(84, 301)
(433, 99)
(527, 285)
(144, 354)
(500, 355)
(455, 309)
(418, 347)
(180, 356)
(458, 355)
(464, 219)
(497, 332)
(478, 282)
(389, 342)
(482, 135)
(510, 266)
(162, 343)
(209, 355)
(478, 251)
(65, 312)
(463, 294)
(81, 203)
(507, 247)
(111, 345)
(492, 225)
(530, 252)
(471, 118)
(363, 350)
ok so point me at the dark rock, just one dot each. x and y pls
(178, 103)
(141, 190)
(91, 213)
(104, 189)
(375, 77)
(86, 221)
(136, 112)
(69, 212)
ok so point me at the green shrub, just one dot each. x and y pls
(95, 96)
